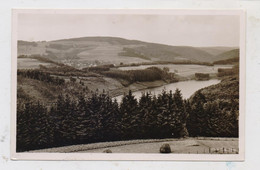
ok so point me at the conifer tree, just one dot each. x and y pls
(128, 111)
(180, 115)
(94, 106)
(165, 117)
(81, 120)
(197, 117)
(58, 116)
(146, 115)
(23, 127)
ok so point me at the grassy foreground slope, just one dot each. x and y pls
(187, 145)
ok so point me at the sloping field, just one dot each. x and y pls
(189, 145)
(106, 53)
(217, 50)
(228, 54)
(29, 63)
(87, 51)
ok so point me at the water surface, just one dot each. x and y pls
(187, 88)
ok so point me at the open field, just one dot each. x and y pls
(185, 146)
(29, 63)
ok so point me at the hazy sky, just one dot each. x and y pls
(190, 30)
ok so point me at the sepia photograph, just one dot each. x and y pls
(96, 84)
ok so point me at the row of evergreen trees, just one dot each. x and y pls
(217, 118)
(98, 118)
(148, 74)
(39, 75)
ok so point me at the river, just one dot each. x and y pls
(187, 88)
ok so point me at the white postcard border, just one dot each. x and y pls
(126, 156)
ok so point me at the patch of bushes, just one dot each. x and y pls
(107, 151)
(72, 79)
(201, 76)
(165, 148)
(148, 74)
(119, 74)
(21, 43)
(38, 75)
(225, 72)
(227, 61)
(187, 62)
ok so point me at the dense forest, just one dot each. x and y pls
(57, 104)
(148, 74)
(227, 61)
(89, 117)
(98, 118)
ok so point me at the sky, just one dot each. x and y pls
(187, 30)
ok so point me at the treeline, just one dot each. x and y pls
(187, 62)
(99, 68)
(228, 71)
(21, 43)
(202, 76)
(227, 61)
(98, 118)
(213, 118)
(148, 74)
(39, 75)
(63, 70)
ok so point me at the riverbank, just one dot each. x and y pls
(137, 86)
(141, 86)
(183, 73)
(183, 86)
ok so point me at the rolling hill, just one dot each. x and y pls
(217, 50)
(86, 51)
(228, 55)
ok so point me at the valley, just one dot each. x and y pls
(96, 89)
(59, 58)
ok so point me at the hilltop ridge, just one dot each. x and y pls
(86, 51)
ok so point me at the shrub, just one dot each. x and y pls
(119, 74)
(225, 72)
(72, 79)
(165, 148)
(41, 76)
(227, 61)
(148, 74)
(107, 151)
(201, 76)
